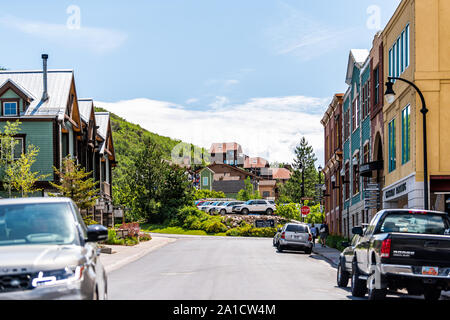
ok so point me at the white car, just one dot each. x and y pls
(208, 208)
(294, 236)
(227, 207)
(255, 206)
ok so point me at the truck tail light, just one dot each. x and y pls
(386, 248)
(283, 235)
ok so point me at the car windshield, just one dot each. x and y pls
(296, 228)
(47, 223)
(415, 223)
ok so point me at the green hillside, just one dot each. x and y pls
(128, 137)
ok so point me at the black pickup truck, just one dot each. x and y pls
(402, 249)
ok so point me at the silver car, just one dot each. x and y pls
(47, 252)
(295, 236)
(227, 207)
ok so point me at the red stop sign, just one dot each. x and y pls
(306, 210)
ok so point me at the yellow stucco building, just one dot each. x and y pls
(417, 48)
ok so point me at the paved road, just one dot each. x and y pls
(196, 268)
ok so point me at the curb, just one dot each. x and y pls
(334, 264)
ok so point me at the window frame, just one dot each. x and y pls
(392, 147)
(406, 134)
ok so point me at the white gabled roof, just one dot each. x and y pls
(102, 120)
(58, 87)
(358, 57)
(85, 106)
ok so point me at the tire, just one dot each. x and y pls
(432, 293)
(342, 276)
(269, 212)
(245, 211)
(223, 212)
(359, 288)
(308, 251)
(279, 247)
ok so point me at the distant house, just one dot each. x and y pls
(225, 178)
(256, 165)
(54, 120)
(227, 153)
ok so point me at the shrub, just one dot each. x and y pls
(288, 211)
(335, 242)
(247, 230)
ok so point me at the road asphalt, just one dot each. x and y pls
(221, 268)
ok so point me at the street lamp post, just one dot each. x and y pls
(390, 97)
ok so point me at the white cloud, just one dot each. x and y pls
(191, 100)
(97, 40)
(267, 127)
(303, 36)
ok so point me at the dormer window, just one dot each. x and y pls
(10, 109)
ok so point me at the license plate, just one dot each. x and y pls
(430, 271)
(296, 237)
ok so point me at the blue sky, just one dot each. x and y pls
(174, 65)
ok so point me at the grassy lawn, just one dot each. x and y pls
(158, 228)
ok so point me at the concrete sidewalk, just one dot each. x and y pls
(122, 255)
(330, 254)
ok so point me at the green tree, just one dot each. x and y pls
(19, 175)
(76, 183)
(8, 148)
(208, 194)
(305, 176)
(249, 192)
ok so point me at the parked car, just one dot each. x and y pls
(276, 238)
(211, 209)
(199, 203)
(208, 205)
(255, 206)
(47, 252)
(344, 268)
(294, 236)
(227, 207)
(402, 249)
(204, 204)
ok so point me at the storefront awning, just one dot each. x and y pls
(365, 170)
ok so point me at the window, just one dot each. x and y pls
(10, 109)
(18, 148)
(354, 121)
(355, 165)
(392, 148)
(346, 124)
(366, 153)
(406, 128)
(399, 54)
(347, 180)
(376, 83)
(205, 181)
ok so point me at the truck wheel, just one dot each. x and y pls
(358, 286)
(432, 294)
(342, 276)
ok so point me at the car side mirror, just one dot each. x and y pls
(358, 230)
(345, 244)
(97, 233)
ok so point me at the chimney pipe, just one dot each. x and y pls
(45, 94)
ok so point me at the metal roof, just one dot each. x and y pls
(58, 88)
(102, 120)
(85, 106)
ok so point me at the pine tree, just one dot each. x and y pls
(304, 178)
(76, 183)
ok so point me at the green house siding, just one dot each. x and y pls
(346, 150)
(365, 131)
(356, 142)
(206, 178)
(39, 134)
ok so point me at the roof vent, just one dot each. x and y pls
(44, 61)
